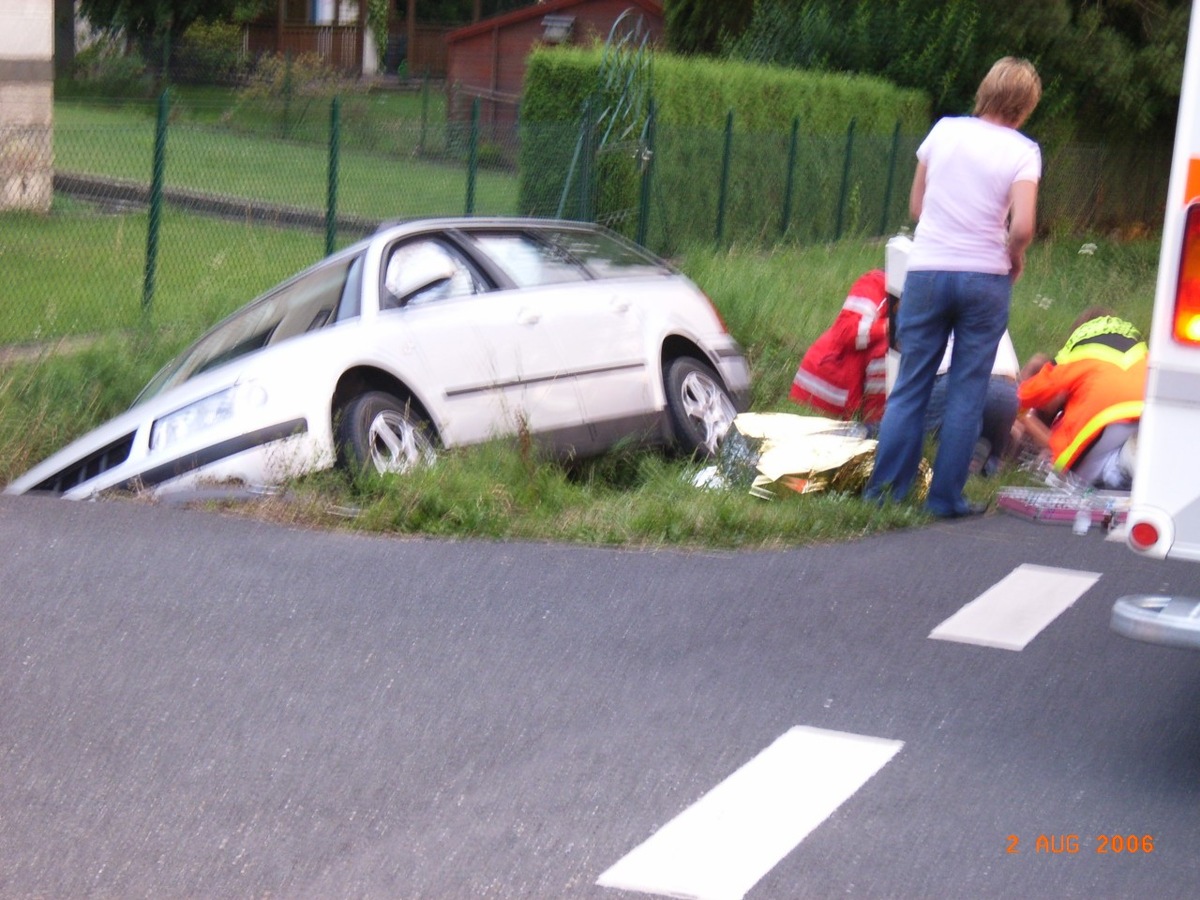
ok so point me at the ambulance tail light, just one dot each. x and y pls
(1186, 317)
(1143, 536)
(1149, 531)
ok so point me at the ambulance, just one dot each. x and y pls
(1164, 514)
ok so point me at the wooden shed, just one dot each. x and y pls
(486, 60)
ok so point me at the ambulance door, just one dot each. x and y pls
(1164, 515)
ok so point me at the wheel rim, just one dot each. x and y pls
(708, 408)
(397, 445)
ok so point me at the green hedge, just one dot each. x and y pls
(701, 92)
(693, 98)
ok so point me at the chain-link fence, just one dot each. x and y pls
(175, 221)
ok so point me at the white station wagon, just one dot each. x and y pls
(428, 334)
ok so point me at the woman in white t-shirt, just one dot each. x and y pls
(974, 197)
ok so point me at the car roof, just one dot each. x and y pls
(483, 223)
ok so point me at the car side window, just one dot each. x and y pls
(529, 262)
(423, 271)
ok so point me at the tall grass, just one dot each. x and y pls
(776, 302)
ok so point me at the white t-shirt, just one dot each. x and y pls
(1005, 363)
(970, 168)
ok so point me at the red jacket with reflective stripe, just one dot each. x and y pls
(843, 371)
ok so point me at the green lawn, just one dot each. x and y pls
(77, 273)
(388, 180)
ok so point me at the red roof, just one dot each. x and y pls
(653, 7)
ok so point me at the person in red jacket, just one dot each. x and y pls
(1092, 393)
(842, 373)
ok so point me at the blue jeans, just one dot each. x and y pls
(1000, 408)
(974, 306)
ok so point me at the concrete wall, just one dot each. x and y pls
(26, 104)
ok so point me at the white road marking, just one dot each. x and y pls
(1012, 612)
(720, 846)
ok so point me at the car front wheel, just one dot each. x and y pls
(377, 431)
(701, 409)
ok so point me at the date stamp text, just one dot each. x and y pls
(1057, 844)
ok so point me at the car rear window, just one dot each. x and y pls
(605, 256)
(557, 255)
(530, 262)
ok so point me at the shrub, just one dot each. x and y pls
(105, 69)
(210, 53)
(291, 94)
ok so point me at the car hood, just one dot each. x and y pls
(294, 375)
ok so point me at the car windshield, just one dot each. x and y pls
(320, 297)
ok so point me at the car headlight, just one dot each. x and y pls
(206, 413)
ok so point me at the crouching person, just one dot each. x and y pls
(843, 372)
(1091, 393)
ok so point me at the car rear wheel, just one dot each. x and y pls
(701, 409)
(376, 431)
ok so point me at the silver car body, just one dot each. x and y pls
(578, 362)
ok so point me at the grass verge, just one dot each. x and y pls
(775, 301)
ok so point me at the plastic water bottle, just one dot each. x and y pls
(1083, 518)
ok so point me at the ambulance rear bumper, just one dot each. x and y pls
(1157, 619)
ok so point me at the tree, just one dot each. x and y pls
(155, 26)
(64, 37)
(700, 26)
(1107, 66)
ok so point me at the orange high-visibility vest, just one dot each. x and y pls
(1102, 372)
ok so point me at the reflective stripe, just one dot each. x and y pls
(821, 388)
(1121, 359)
(1098, 327)
(868, 311)
(1120, 412)
(864, 306)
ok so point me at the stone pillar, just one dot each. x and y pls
(26, 104)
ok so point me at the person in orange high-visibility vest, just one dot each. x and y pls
(1093, 392)
(843, 372)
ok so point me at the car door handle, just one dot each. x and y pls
(529, 317)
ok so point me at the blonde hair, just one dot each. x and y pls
(1009, 92)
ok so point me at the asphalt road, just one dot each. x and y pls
(194, 705)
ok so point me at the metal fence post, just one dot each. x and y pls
(335, 135)
(841, 209)
(789, 182)
(647, 168)
(472, 156)
(156, 189)
(424, 113)
(287, 95)
(723, 195)
(587, 175)
(891, 177)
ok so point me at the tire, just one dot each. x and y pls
(700, 408)
(377, 432)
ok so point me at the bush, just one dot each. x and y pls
(291, 94)
(105, 69)
(210, 53)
